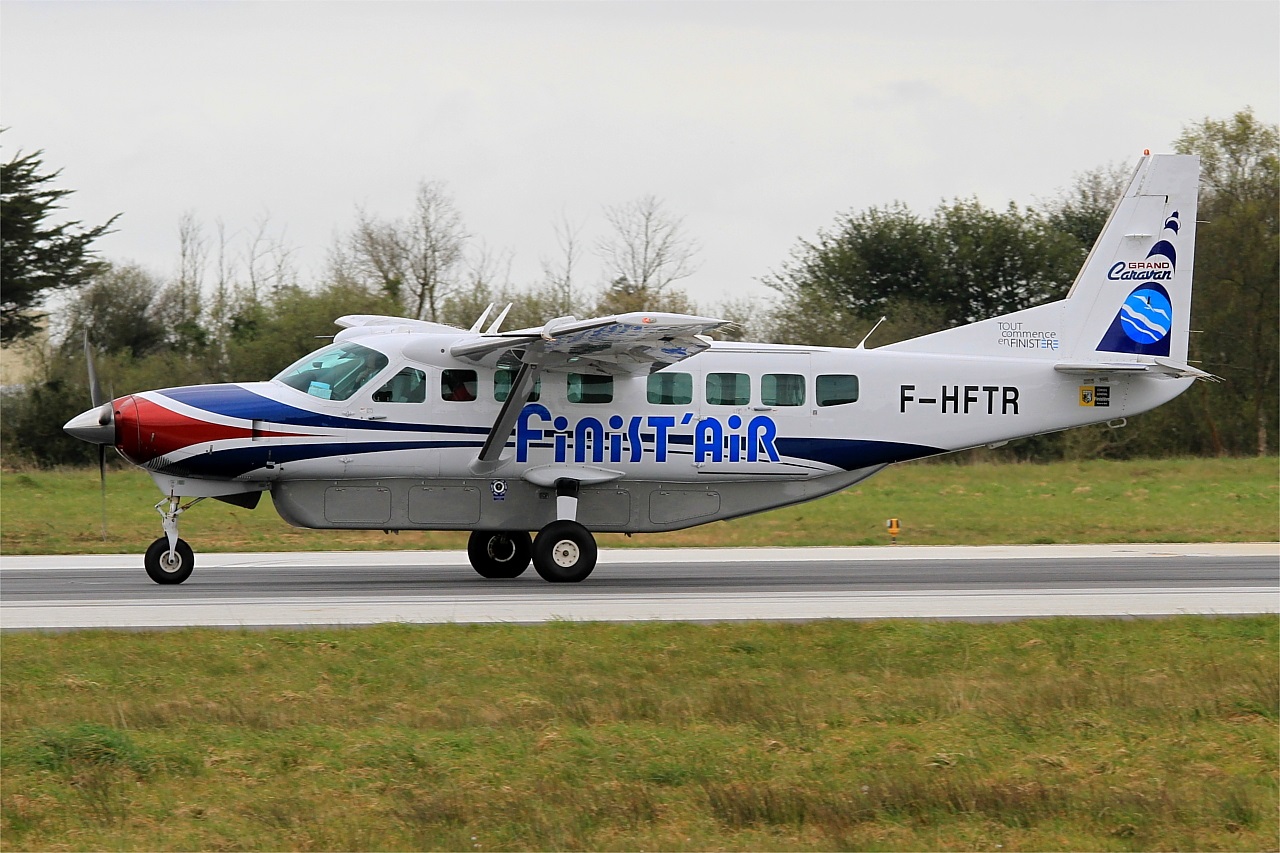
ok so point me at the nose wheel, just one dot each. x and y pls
(169, 566)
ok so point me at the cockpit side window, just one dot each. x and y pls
(407, 386)
(336, 372)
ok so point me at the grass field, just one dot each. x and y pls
(1172, 500)
(1035, 735)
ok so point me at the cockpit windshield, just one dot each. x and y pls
(336, 372)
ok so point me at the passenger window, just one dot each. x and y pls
(588, 388)
(458, 386)
(407, 386)
(782, 389)
(728, 389)
(504, 378)
(670, 389)
(837, 389)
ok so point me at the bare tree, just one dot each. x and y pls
(268, 260)
(222, 305)
(647, 251)
(193, 252)
(415, 260)
(180, 304)
(489, 268)
(434, 247)
(557, 275)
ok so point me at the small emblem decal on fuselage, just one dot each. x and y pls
(1097, 396)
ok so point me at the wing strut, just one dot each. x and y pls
(491, 453)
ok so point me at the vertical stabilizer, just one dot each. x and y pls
(1131, 301)
(1133, 295)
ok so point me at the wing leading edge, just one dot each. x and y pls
(638, 342)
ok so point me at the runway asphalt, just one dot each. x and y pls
(296, 589)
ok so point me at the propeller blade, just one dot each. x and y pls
(95, 390)
(106, 418)
(102, 479)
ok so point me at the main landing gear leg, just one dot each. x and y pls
(169, 560)
(565, 551)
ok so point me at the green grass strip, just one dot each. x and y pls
(1036, 735)
(1167, 500)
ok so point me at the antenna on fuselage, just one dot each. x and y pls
(475, 327)
(493, 330)
(870, 333)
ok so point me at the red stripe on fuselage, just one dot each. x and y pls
(146, 430)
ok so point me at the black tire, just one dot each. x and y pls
(564, 552)
(163, 570)
(499, 553)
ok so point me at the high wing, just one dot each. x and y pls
(632, 343)
(639, 342)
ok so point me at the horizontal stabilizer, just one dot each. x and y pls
(1162, 368)
(1093, 367)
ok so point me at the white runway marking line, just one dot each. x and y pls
(954, 604)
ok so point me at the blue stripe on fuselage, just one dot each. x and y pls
(235, 401)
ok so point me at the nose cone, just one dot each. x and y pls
(95, 426)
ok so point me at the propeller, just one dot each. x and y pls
(96, 426)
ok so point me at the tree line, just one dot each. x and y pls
(238, 309)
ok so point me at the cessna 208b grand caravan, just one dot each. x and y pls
(641, 422)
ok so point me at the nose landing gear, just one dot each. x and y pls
(170, 560)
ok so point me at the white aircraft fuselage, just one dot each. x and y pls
(640, 422)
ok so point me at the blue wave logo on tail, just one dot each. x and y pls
(1144, 321)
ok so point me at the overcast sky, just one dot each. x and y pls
(757, 123)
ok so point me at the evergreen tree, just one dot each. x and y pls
(37, 256)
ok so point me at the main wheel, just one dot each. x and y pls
(499, 554)
(564, 552)
(165, 568)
